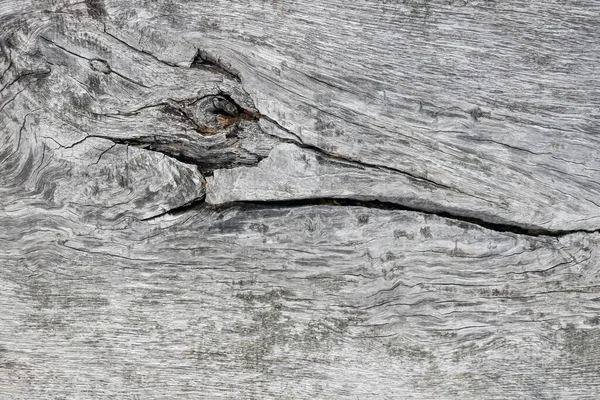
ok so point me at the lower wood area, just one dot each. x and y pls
(300, 302)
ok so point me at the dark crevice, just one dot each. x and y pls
(383, 205)
(203, 60)
(138, 142)
(152, 143)
(237, 111)
(297, 142)
(199, 203)
(229, 116)
(189, 206)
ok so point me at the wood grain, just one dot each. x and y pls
(273, 199)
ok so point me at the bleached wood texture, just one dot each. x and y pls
(318, 199)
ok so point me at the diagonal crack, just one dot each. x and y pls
(138, 50)
(203, 60)
(95, 62)
(190, 205)
(300, 143)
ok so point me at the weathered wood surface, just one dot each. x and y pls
(269, 199)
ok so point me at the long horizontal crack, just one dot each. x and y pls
(383, 205)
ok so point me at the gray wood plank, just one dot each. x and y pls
(270, 199)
